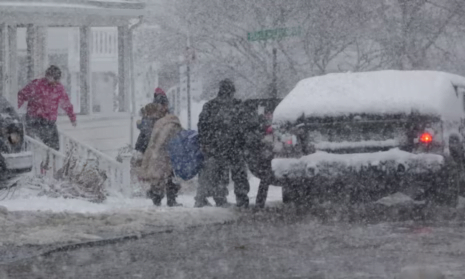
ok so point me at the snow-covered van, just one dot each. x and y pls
(14, 160)
(363, 136)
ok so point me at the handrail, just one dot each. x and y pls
(118, 173)
(30, 140)
(42, 156)
(67, 138)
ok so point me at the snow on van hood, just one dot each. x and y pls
(379, 92)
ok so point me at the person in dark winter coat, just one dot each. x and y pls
(222, 141)
(259, 153)
(147, 123)
(44, 96)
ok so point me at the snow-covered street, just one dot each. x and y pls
(187, 242)
(33, 220)
(269, 244)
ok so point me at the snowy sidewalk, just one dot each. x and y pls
(44, 220)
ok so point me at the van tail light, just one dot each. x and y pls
(287, 139)
(269, 130)
(290, 140)
(426, 138)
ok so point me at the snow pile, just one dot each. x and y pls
(380, 92)
(29, 186)
(328, 164)
(74, 180)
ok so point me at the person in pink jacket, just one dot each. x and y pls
(43, 97)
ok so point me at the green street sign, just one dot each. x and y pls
(274, 34)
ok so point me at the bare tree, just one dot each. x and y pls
(356, 35)
(408, 29)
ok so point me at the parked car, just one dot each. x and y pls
(14, 160)
(358, 137)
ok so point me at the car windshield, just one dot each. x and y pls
(232, 139)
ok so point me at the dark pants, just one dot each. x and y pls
(214, 180)
(157, 192)
(44, 130)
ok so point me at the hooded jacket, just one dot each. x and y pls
(220, 125)
(156, 165)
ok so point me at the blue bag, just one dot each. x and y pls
(185, 154)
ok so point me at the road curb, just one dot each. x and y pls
(106, 241)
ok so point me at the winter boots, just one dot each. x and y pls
(171, 195)
(242, 201)
(202, 203)
(155, 197)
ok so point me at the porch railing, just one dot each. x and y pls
(47, 161)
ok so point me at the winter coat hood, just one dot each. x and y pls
(227, 89)
(156, 110)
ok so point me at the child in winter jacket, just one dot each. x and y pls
(146, 124)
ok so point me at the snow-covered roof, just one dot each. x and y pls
(379, 92)
(70, 12)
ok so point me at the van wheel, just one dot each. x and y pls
(458, 155)
(444, 190)
(288, 194)
(295, 193)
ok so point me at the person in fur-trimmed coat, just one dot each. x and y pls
(156, 165)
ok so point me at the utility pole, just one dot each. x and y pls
(190, 57)
(133, 77)
(274, 82)
(188, 73)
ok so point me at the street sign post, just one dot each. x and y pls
(190, 58)
(274, 34)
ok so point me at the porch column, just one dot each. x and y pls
(36, 41)
(41, 56)
(13, 65)
(123, 68)
(31, 51)
(85, 77)
(3, 60)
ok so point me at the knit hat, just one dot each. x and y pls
(159, 97)
(159, 91)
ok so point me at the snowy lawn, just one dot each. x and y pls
(29, 219)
